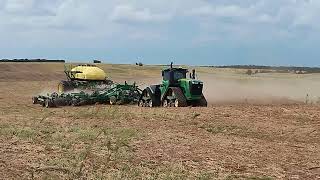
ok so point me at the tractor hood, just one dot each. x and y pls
(192, 88)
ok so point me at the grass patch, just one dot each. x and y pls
(206, 176)
(94, 153)
(166, 172)
(233, 130)
(216, 129)
(171, 172)
(303, 119)
(86, 134)
(24, 133)
(107, 113)
(241, 177)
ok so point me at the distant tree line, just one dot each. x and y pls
(32, 60)
(281, 69)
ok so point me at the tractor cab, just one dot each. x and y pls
(173, 75)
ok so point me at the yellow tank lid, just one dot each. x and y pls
(89, 73)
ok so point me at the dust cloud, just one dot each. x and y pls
(241, 89)
(260, 90)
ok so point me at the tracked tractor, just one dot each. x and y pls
(176, 90)
(83, 77)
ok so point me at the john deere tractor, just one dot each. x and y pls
(176, 90)
(83, 77)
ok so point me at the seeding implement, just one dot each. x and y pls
(116, 94)
(83, 77)
(176, 90)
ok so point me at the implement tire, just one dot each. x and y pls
(113, 100)
(48, 103)
(34, 100)
(141, 103)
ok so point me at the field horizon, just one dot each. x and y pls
(255, 127)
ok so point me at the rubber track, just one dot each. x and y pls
(154, 100)
(180, 96)
(203, 102)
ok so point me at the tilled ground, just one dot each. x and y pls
(242, 141)
(239, 141)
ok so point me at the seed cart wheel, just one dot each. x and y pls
(61, 87)
(65, 86)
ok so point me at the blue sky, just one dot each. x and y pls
(206, 32)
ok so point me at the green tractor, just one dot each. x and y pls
(176, 90)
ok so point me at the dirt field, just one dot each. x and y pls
(255, 127)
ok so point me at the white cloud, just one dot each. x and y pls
(254, 13)
(19, 5)
(307, 14)
(29, 7)
(129, 14)
(222, 11)
(66, 21)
